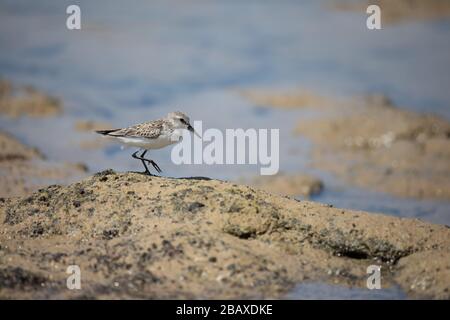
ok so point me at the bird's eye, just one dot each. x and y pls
(183, 121)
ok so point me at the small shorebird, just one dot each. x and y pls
(149, 135)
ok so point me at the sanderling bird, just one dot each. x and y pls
(150, 135)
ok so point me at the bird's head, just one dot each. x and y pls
(181, 121)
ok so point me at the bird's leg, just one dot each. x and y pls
(141, 157)
(143, 162)
(153, 163)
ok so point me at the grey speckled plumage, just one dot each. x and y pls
(149, 135)
(149, 130)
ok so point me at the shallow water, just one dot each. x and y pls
(133, 62)
(319, 290)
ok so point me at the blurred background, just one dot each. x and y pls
(363, 114)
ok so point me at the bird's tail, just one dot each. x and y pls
(106, 132)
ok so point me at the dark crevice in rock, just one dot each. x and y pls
(354, 254)
(356, 246)
(18, 278)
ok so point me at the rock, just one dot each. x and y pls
(16, 101)
(24, 169)
(11, 149)
(438, 146)
(369, 142)
(286, 100)
(394, 12)
(384, 148)
(90, 126)
(92, 141)
(290, 185)
(138, 236)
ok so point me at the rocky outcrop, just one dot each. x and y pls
(16, 101)
(371, 143)
(138, 236)
(24, 169)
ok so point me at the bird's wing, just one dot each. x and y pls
(149, 130)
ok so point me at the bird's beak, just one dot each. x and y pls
(193, 131)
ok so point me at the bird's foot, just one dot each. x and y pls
(148, 173)
(153, 163)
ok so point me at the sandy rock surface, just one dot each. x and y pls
(137, 236)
